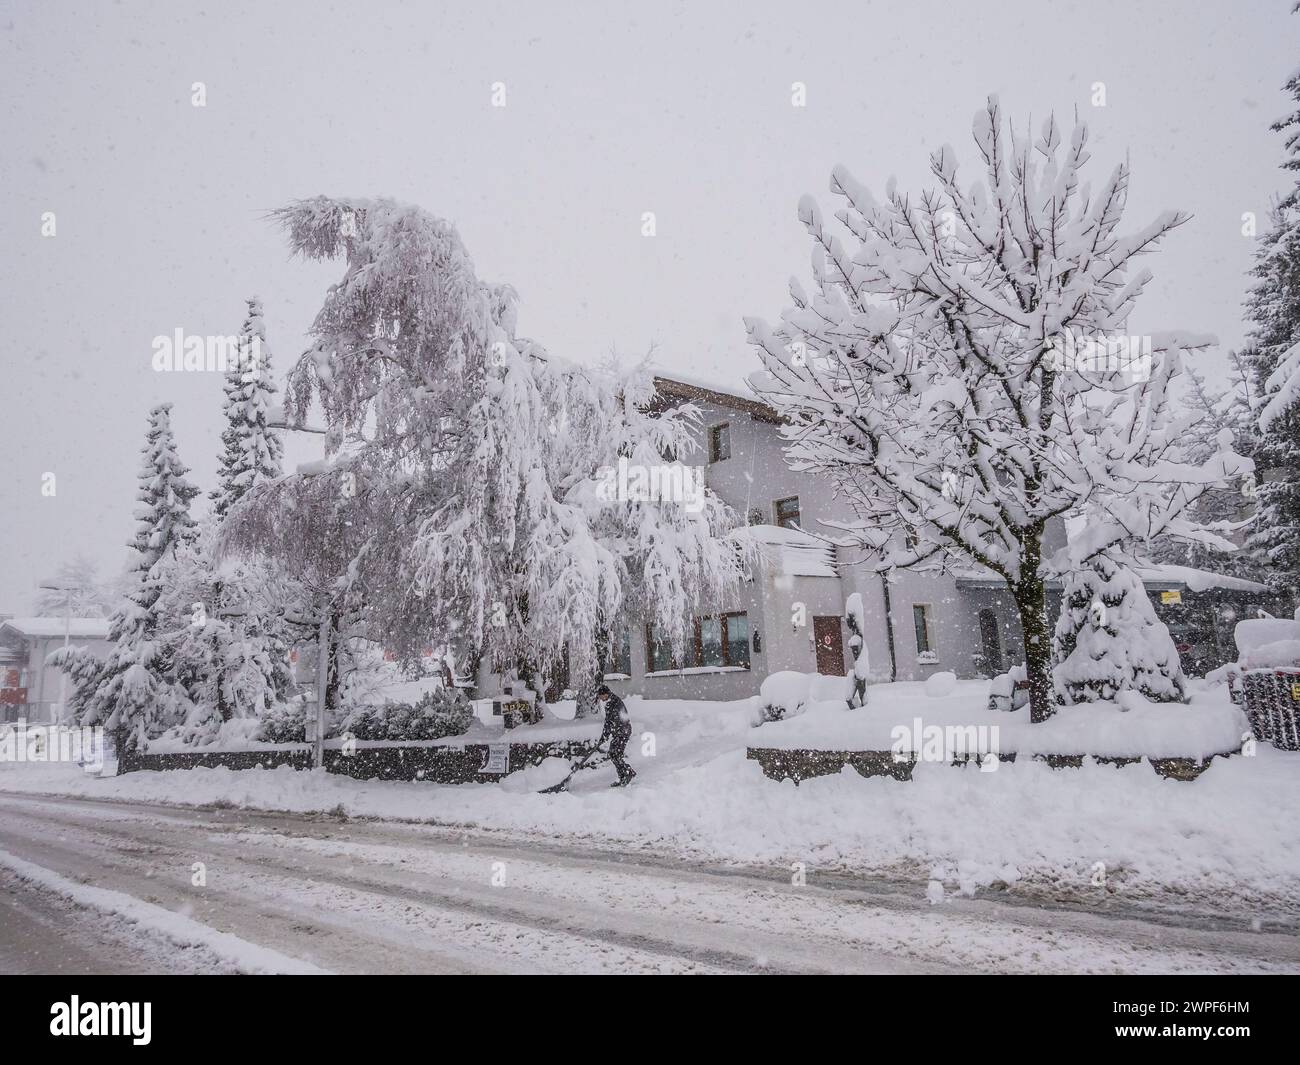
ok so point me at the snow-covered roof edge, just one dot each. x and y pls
(685, 387)
(84, 628)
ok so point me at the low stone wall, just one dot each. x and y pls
(439, 765)
(805, 763)
(269, 758)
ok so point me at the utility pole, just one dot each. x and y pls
(316, 726)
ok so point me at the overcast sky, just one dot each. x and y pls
(611, 110)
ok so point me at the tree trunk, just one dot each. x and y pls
(1031, 603)
(333, 678)
(585, 689)
(1030, 594)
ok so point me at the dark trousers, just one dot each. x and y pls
(617, 752)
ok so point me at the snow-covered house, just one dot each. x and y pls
(29, 686)
(789, 615)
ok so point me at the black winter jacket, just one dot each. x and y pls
(617, 718)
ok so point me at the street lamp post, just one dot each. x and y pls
(67, 589)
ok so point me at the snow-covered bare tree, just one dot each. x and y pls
(479, 458)
(134, 691)
(310, 526)
(251, 452)
(1108, 638)
(944, 370)
(79, 592)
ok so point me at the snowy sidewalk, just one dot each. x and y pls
(1227, 838)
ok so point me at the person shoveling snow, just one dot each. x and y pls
(617, 732)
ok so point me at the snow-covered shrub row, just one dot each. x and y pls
(437, 714)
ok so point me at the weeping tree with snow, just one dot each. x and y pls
(484, 463)
(134, 693)
(624, 529)
(1108, 638)
(957, 370)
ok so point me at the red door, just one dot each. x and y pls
(829, 641)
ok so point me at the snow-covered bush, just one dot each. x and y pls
(437, 714)
(1267, 642)
(286, 722)
(941, 684)
(1008, 691)
(788, 693)
(784, 694)
(1108, 639)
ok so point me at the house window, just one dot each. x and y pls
(720, 442)
(658, 652)
(718, 640)
(921, 622)
(618, 656)
(735, 639)
(787, 512)
(708, 642)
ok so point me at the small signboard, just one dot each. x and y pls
(1171, 598)
(1295, 693)
(498, 760)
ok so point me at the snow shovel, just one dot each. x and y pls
(582, 762)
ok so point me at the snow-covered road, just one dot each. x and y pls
(119, 886)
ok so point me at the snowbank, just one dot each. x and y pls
(1209, 725)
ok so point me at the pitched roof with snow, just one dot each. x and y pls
(794, 552)
(1197, 580)
(79, 628)
(695, 390)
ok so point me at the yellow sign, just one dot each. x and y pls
(1295, 692)
(1171, 598)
